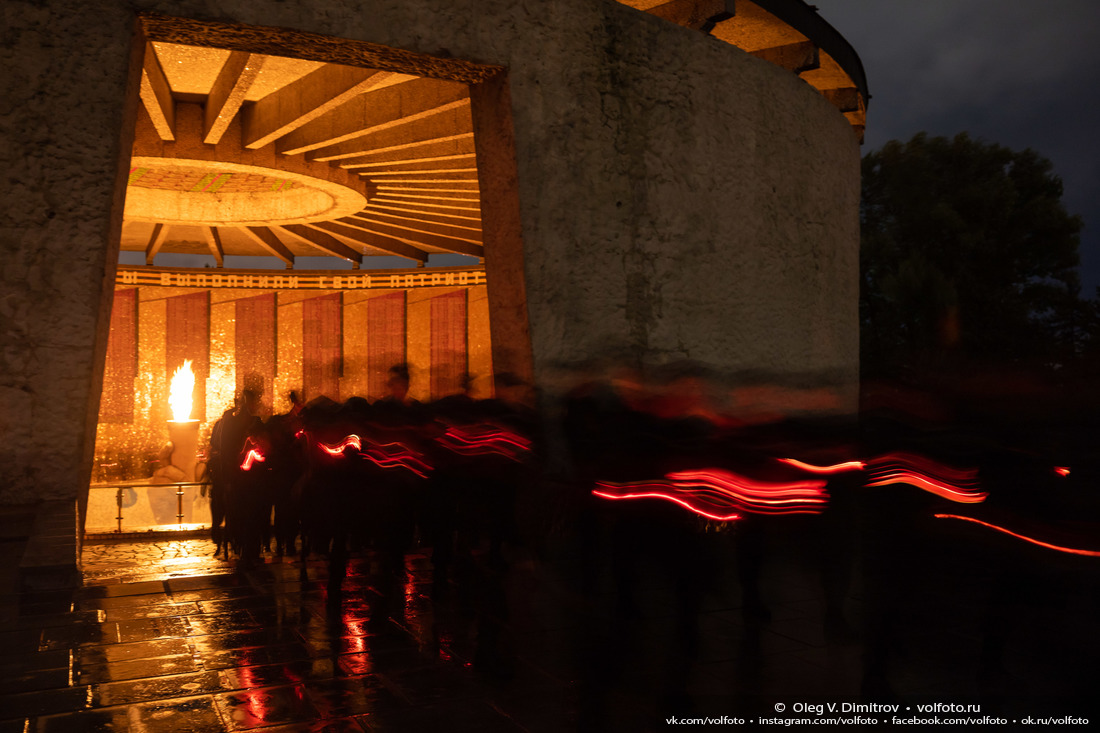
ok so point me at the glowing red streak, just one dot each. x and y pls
(750, 491)
(824, 470)
(926, 466)
(959, 485)
(711, 492)
(483, 441)
(932, 485)
(667, 497)
(338, 449)
(1061, 470)
(254, 456)
(1032, 540)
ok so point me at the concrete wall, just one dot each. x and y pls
(678, 198)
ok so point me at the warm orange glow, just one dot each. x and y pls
(1032, 540)
(1061, 470)
(179, 393)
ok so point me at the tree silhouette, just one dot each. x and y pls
(967, 254)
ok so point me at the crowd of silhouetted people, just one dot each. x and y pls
(331, 478)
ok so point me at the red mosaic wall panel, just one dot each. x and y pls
(255, 345)
(448, 343)
(322, 346)
(385, 339)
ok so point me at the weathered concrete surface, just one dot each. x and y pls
(679, 199)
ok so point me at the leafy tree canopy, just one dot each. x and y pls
(967, 253)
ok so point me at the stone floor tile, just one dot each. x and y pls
(347, 696)
(254, 708)
(155, 688)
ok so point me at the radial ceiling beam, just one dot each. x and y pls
(694, 14)
(266, 238)
(214, 242)
(429, 202)
(421, 171)
(419, 235)
(350, 230)
(411, 161)
(350, 146)
(156, 95)
(156, 241)
(373, 112)
(469, 230)
(226, 96)
(797, 57)
(325, 242)
(457, 141)
(846, 99)
(411, 207)
(308, 98)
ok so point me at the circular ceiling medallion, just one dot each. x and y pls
(179, 191)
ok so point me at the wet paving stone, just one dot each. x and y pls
(352, 696)
(117, 591)
(78, 635)
(240, 604)
(152, 628)
(244, 639)
(285, 614)
(259, 707)
(220, 623)
(44, 702)
(201, 582)
(341, 725)
(133, 651)
(276, 675)
(36, 662)
(85, 721)
(52, 620)
(255, 656)
(195, 715)
(44, 679)
(156, 688)
(108, 603)
(217, 594)
(131, 613)
(136, 669)
(434, 684)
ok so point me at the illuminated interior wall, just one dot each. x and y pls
(338, 344)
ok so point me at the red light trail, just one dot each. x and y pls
(723, 495)
(254, 456)
(1025, 538)
(825, 470)
(954, 484)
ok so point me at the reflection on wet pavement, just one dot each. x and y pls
(145, 646)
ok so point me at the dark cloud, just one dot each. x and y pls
(1015, 73)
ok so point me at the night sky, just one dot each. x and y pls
(1020, 74)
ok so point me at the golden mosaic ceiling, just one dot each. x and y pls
(244, 153)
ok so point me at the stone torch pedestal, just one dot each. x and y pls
(184, 435)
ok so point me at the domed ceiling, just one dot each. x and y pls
(240, 153)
